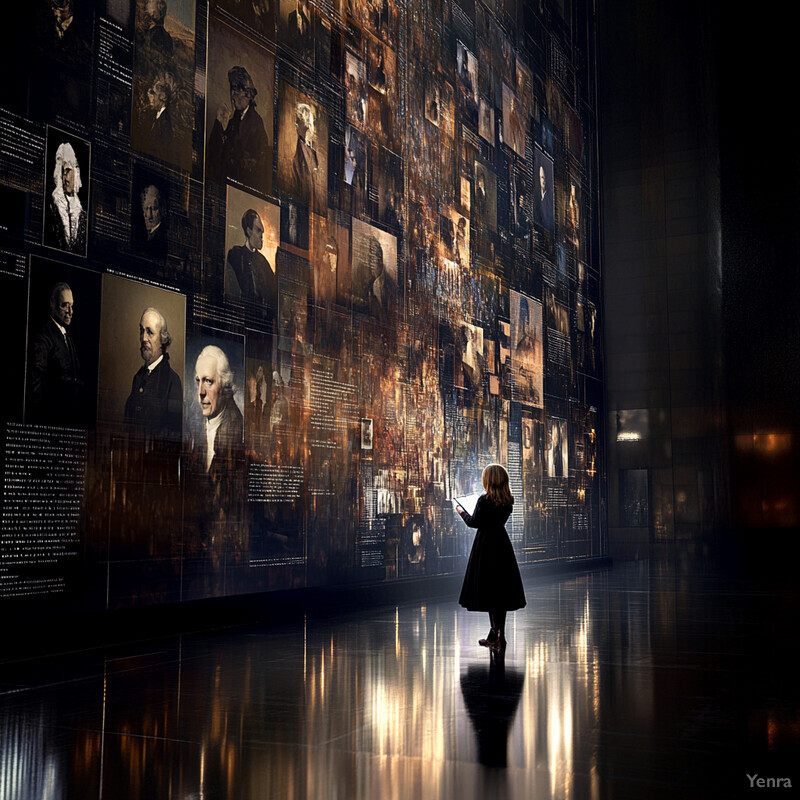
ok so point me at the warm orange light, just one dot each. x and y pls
(768, 444)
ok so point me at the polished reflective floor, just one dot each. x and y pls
(647, 680)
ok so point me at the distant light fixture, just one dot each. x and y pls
(766, 444)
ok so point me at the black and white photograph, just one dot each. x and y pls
(63, 329)
(150, 214)
(66, 200)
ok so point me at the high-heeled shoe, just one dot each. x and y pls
(490, 639)
(499, 643)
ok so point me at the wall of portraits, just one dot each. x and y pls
(283, 277)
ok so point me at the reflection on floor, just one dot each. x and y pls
(642, 681)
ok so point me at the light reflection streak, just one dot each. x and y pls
(103, 726)
(372, 709)
(32, 764)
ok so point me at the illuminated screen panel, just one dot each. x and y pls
(283, 279)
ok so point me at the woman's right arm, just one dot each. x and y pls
(474, 520)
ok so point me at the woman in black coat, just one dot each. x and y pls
(492, 582)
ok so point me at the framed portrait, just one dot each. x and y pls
(66, 192)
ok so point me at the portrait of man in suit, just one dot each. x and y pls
(294, 225)
(218, 457)
(155, 36)
(355, 160)
(157, 121)
(221, 446)
(248, 274)
(153, 223)
(154, 406)
(239, 147)
(55, 384)
(298, 30)
(543, 203)
(485, 196)
(377, 292)
(305, 164)
(162, 111)
(527, 351)
(303, 149)
(215, 475)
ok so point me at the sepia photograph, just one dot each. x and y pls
(294, 227)
(374, 272)
(527, 349)
(467, 70)
(256, 16)
(356, 88)
(330, 259)
(142, 341)
(514, 122)
(302, 149)
(150, 214)
(486, 121)
(239, 117)
(251, 241)
(163, 80)
(433, 100)
(470, 356)
(484, 205)
(557, 449)
(296, 28)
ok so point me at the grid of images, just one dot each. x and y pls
(287, 277)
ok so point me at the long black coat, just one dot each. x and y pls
(492, 581)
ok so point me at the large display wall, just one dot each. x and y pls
(281, 279)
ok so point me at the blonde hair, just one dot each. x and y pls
(495, 482)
